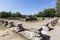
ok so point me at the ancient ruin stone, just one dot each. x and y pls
(5, 23)
(45, 28)
(34, 30)
(44, 32)
(53, 23)
(30, 35)
(27, 34)
(12, 28)
(20, 28)
(11, 25)
(45, 37)
(50, 26)
(37, 38)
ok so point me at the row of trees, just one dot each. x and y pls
(50, 12)
(4, 14)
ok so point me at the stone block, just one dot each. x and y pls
(11, 24)
(20, 28)
(45, 32)
(37, 38)
(5, 23)
(28, 34)
(34, 30)
(45, 28)
(45, 37)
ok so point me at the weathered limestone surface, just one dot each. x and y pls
(19, 28)
(5, 23)
(34, 34)
(30, 35)
(11, 24)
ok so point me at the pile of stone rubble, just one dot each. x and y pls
(33, 33)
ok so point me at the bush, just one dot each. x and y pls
(31, 18)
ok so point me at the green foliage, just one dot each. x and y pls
(18, 14)
(50, 12)
(4, 14)
(47, 13)
(30, 18)
(40, 14)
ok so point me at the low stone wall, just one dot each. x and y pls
(32, 34)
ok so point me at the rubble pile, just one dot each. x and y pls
(33, 33)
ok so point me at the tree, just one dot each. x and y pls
(9, 14)
(50, 12)
(3, 14)
(40, 14)
(13, 15)
(18, 14)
